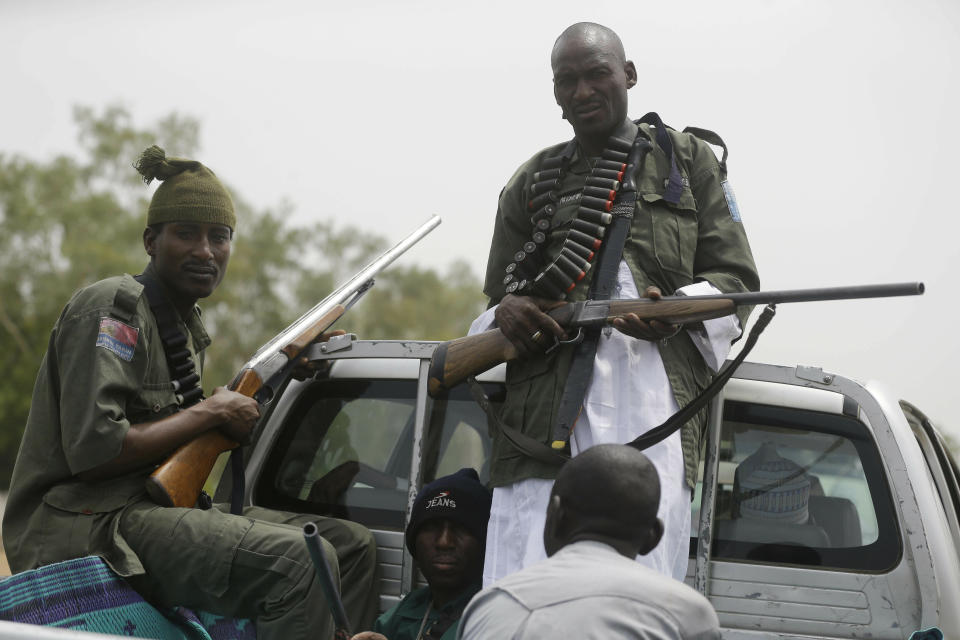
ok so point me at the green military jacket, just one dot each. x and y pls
(668, 246)
(405, 619)
(104, 370)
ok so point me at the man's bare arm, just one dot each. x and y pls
(233, 413)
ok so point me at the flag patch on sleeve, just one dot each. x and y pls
(731, 199)
(117, 337)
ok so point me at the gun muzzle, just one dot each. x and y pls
(325, 576)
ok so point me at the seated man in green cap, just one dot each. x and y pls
(106, 411)
(446, 536)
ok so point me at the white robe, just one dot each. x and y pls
(628, 394)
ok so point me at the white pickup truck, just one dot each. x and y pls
(877, 559)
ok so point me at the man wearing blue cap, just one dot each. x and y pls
(446, 536)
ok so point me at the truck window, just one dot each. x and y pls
(458, 434)
(802, 488)
(344, 451)
(346, 446)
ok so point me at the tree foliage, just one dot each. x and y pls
(69, 221)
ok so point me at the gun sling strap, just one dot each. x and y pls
(186, 379)
(601, 288)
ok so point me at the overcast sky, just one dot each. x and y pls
(841, 119)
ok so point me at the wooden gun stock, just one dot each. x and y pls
(178, 481)
(456, 360)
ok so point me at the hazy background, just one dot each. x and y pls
(841, 118)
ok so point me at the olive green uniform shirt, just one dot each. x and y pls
(668, 246)
(104, 370)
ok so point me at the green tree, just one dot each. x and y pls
(69, 221)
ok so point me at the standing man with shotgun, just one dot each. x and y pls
(625, 207)
(114, 397)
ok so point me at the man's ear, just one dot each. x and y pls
(553, 527)
(631, 72)
(563, 114)
(149, 240)
(652, 539)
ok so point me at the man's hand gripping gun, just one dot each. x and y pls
(178, 481)
(456, 360)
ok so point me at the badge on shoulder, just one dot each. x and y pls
(117, 337)
(731, 199)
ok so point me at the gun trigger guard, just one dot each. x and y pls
(577, 339)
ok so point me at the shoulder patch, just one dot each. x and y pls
(117, 337)
(731, 199)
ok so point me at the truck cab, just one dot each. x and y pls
(874, 555)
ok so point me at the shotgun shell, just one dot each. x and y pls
(539, 237)
(544, 185)
(619, 144)
(545, 213)
(613, 165)
(615, 156)
(529, 247)
(593, 230)
(579, 261)
(569, 268)
(600, 193)
(544, 287)
(190, 396)
(543, 225)
(603, 183)
(580, 250)
(596, 203)
(594, 216)
(185, 381)
(183, 369)
(564, 282)
(546, 174)
(553, 162)
(579, 237)
(610, 174)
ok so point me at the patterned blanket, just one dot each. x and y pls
(84, 594)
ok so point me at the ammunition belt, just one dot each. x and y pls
(530, 272)
(183, 371)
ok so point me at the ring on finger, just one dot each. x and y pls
(537, 335)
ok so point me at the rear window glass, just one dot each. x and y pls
(345, 450)
(801, 487)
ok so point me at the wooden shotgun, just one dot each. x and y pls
(178, 481)
(455, 361)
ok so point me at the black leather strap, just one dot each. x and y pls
(601, 288)
(680, 418)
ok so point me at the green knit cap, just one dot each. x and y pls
(190, 191)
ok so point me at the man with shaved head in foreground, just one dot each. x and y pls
(602, 512)
(624, 207)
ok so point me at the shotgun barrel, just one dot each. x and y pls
(456, 360)
(178, 481)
